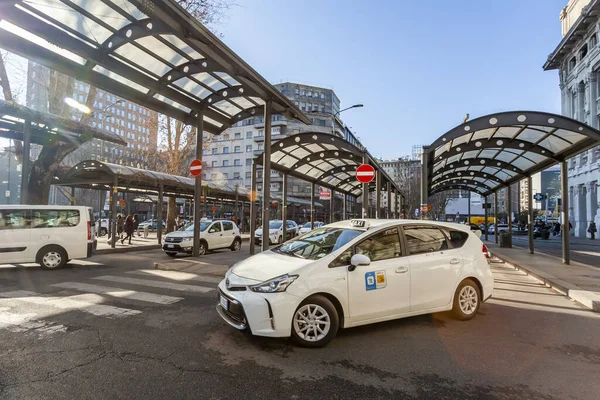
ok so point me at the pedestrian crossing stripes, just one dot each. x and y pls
(24, 323)
(176, 275)
(117, 292)
(157, 284)
(88, 303)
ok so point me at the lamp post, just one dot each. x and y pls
(335, 115)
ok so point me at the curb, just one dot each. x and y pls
(586, 298)
(127, 249)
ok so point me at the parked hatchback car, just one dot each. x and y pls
(353, 273)
(152, 224)
(276, 232)
(501, 228)
(213, 235)
(306, 227)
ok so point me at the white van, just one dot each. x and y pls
(47, 235)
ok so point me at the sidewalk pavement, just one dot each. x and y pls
(579, 282)
(558, 239)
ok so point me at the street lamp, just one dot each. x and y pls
(334, 115)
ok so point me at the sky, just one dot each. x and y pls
(417, 66)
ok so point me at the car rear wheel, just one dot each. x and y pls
(171, 254)
(467, 300)
(202, 248)
(52, 257)
(280, 240)
(103, 231)
(315, 322)
(236, 245)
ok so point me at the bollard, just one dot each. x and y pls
(146, 229)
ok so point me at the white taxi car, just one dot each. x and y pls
(353, 273)
(217, 234)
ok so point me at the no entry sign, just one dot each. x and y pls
(365, 173)
(196, 167)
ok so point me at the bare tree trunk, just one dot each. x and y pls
(43, 171)
(171, 212)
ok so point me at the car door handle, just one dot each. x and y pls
(454, 261)
(401, 270)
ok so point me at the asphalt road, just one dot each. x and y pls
(67, 342)
(582, 250)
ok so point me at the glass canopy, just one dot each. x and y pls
(491, 152)
(152, 53)
(323, 159)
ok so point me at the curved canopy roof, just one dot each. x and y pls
(95, 174)
(152, 53)
(496, 150)
(323, 159)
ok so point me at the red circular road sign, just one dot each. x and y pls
(365, 173)
(196, 167)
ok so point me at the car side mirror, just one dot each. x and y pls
(358, 260)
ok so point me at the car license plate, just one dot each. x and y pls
(170, 246)
(224, 302)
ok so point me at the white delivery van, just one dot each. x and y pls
(47, 235)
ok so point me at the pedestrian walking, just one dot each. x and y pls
(592, 230)
(129, 229)
(120, 226)
(136, 225)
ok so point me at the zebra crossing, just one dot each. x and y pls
(108, 296)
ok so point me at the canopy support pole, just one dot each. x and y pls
(113, 211)
(469, 208)
(496, 217)
(530, 214)
(378, 194)
(284, 207)
(509, 209)
(564, 180)
(72, 195)
(253, 197)
(159, 206)
(424, 180)
(312, 206)
(198, 185)
(332, 206)
(345, 207)
(25, 165)
(365, 192)
(485, 218)
(266, 177)
(389, 200)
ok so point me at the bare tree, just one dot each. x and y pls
(409, 180)
(438, 203)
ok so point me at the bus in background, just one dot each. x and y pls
(47, 235)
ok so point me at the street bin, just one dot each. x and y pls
(505, 239)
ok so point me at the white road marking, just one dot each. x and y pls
(26, 323)
(587, 253)
(158, 284)
(118, 292)
(177, 275)
(89, 303)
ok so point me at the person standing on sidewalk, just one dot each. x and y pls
(129, 229)
(592, 230)
(120, 226)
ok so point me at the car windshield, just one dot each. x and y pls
(306, 225)
(275, 224)
(190, 226)
(318, 243)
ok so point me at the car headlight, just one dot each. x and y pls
(187, 239)
(278, 284)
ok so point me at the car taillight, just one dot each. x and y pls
(485, 251)
(89, 223)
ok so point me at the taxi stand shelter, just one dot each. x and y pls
(116, 178)
(328, 161)
(152, 53)
(490, 153)
(33, 127)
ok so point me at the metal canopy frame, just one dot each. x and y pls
(494, 151)
(323, 159)
(152, 53)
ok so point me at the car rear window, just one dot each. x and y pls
(457, 238)
(54, 218)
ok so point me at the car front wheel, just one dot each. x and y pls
(315, 322)
(467, 300)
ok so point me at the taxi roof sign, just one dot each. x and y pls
(359, 223)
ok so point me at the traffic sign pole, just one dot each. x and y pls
(198, 184)
(365, 192)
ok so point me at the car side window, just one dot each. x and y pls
(457, 238)
(14, 219)
(424, 239)
(216, 227)
(342, 260)
(381, 246)
(227, 226)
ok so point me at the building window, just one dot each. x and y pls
(572, 63)
(260, 133)
(213, 164)
(275, 131)
(583, 51)
(248, 162)
(237, 162)
(260, 146)
(236, 175)
(593, 40)
(248, 174)
(248, 147)
(225, 150)
(226, 175)
(215, 151)
(238, 135)
(322, 95)
(237, 149)
(249, 135)
(226, 163)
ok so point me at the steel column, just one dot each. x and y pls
(485, 218)
(469, 208)
(345, 207)
(159, 213)
(378, 177)
(332, 206)
(72, 195)
(312, 206)
(284, 207)
(508, 195)
(365, 192)
(266, 177)
(530, 214)
(113, 211)
(564, 184)
(197, 186)
(25, 165)
(496, 217)
(389, 200)
(253, 197)
(424, 180)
